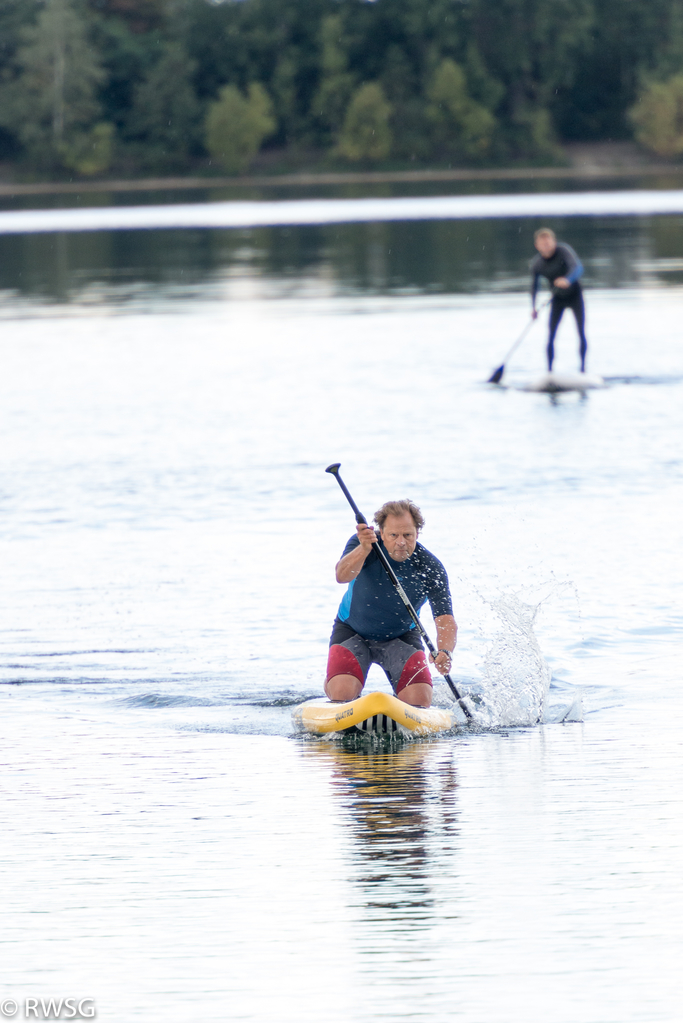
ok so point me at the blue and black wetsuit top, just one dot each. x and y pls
(563, 263)
(372, 607)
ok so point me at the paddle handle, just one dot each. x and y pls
(334, 470)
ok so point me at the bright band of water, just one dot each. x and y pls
(343, 211)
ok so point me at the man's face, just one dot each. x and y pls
(546, 245)
(399, 536)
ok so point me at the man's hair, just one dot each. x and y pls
(399, 508)
(544, 232)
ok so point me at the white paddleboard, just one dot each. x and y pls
(553, 383)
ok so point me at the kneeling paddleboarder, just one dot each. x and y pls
(373, 625)
(559, 264)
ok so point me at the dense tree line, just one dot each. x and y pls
(169, 85)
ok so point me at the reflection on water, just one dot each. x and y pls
(400, 806)
(436, 257)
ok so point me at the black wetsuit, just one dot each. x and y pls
(563, 263)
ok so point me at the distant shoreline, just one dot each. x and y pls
(586, 171)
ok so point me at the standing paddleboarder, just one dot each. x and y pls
(558, 262)
(372, 624)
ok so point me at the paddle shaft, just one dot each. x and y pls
(519, 340)
(334, 470)
(498, 373)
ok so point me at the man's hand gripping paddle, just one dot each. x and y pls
(334, 470)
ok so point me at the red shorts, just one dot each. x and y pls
(403, 659)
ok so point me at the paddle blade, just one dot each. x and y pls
(497, 375)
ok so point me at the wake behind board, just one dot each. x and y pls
(555, 383)
(376, 713)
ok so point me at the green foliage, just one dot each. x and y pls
(461, 126)
(126, 59)
(285, 92)
(629, 42)
(138, 15)
(236, 126)
(535, 48)
(483, 87)
(89, 152)
(15, 16)
(166, 114)
(658, 117)
(52, 102)
(445, 80)
(531, 134)
(274, 42)
(336, 83)
(366, 135)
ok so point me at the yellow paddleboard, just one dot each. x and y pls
(374, 712)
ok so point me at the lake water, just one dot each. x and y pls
(172, 850)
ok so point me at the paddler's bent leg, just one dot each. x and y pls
(343, 688)
(348, 663)
(419, 694)
(406, 667)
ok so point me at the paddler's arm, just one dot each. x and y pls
(350, 565)
(446, 638)
(574, 269)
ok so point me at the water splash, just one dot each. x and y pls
(516, 678)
